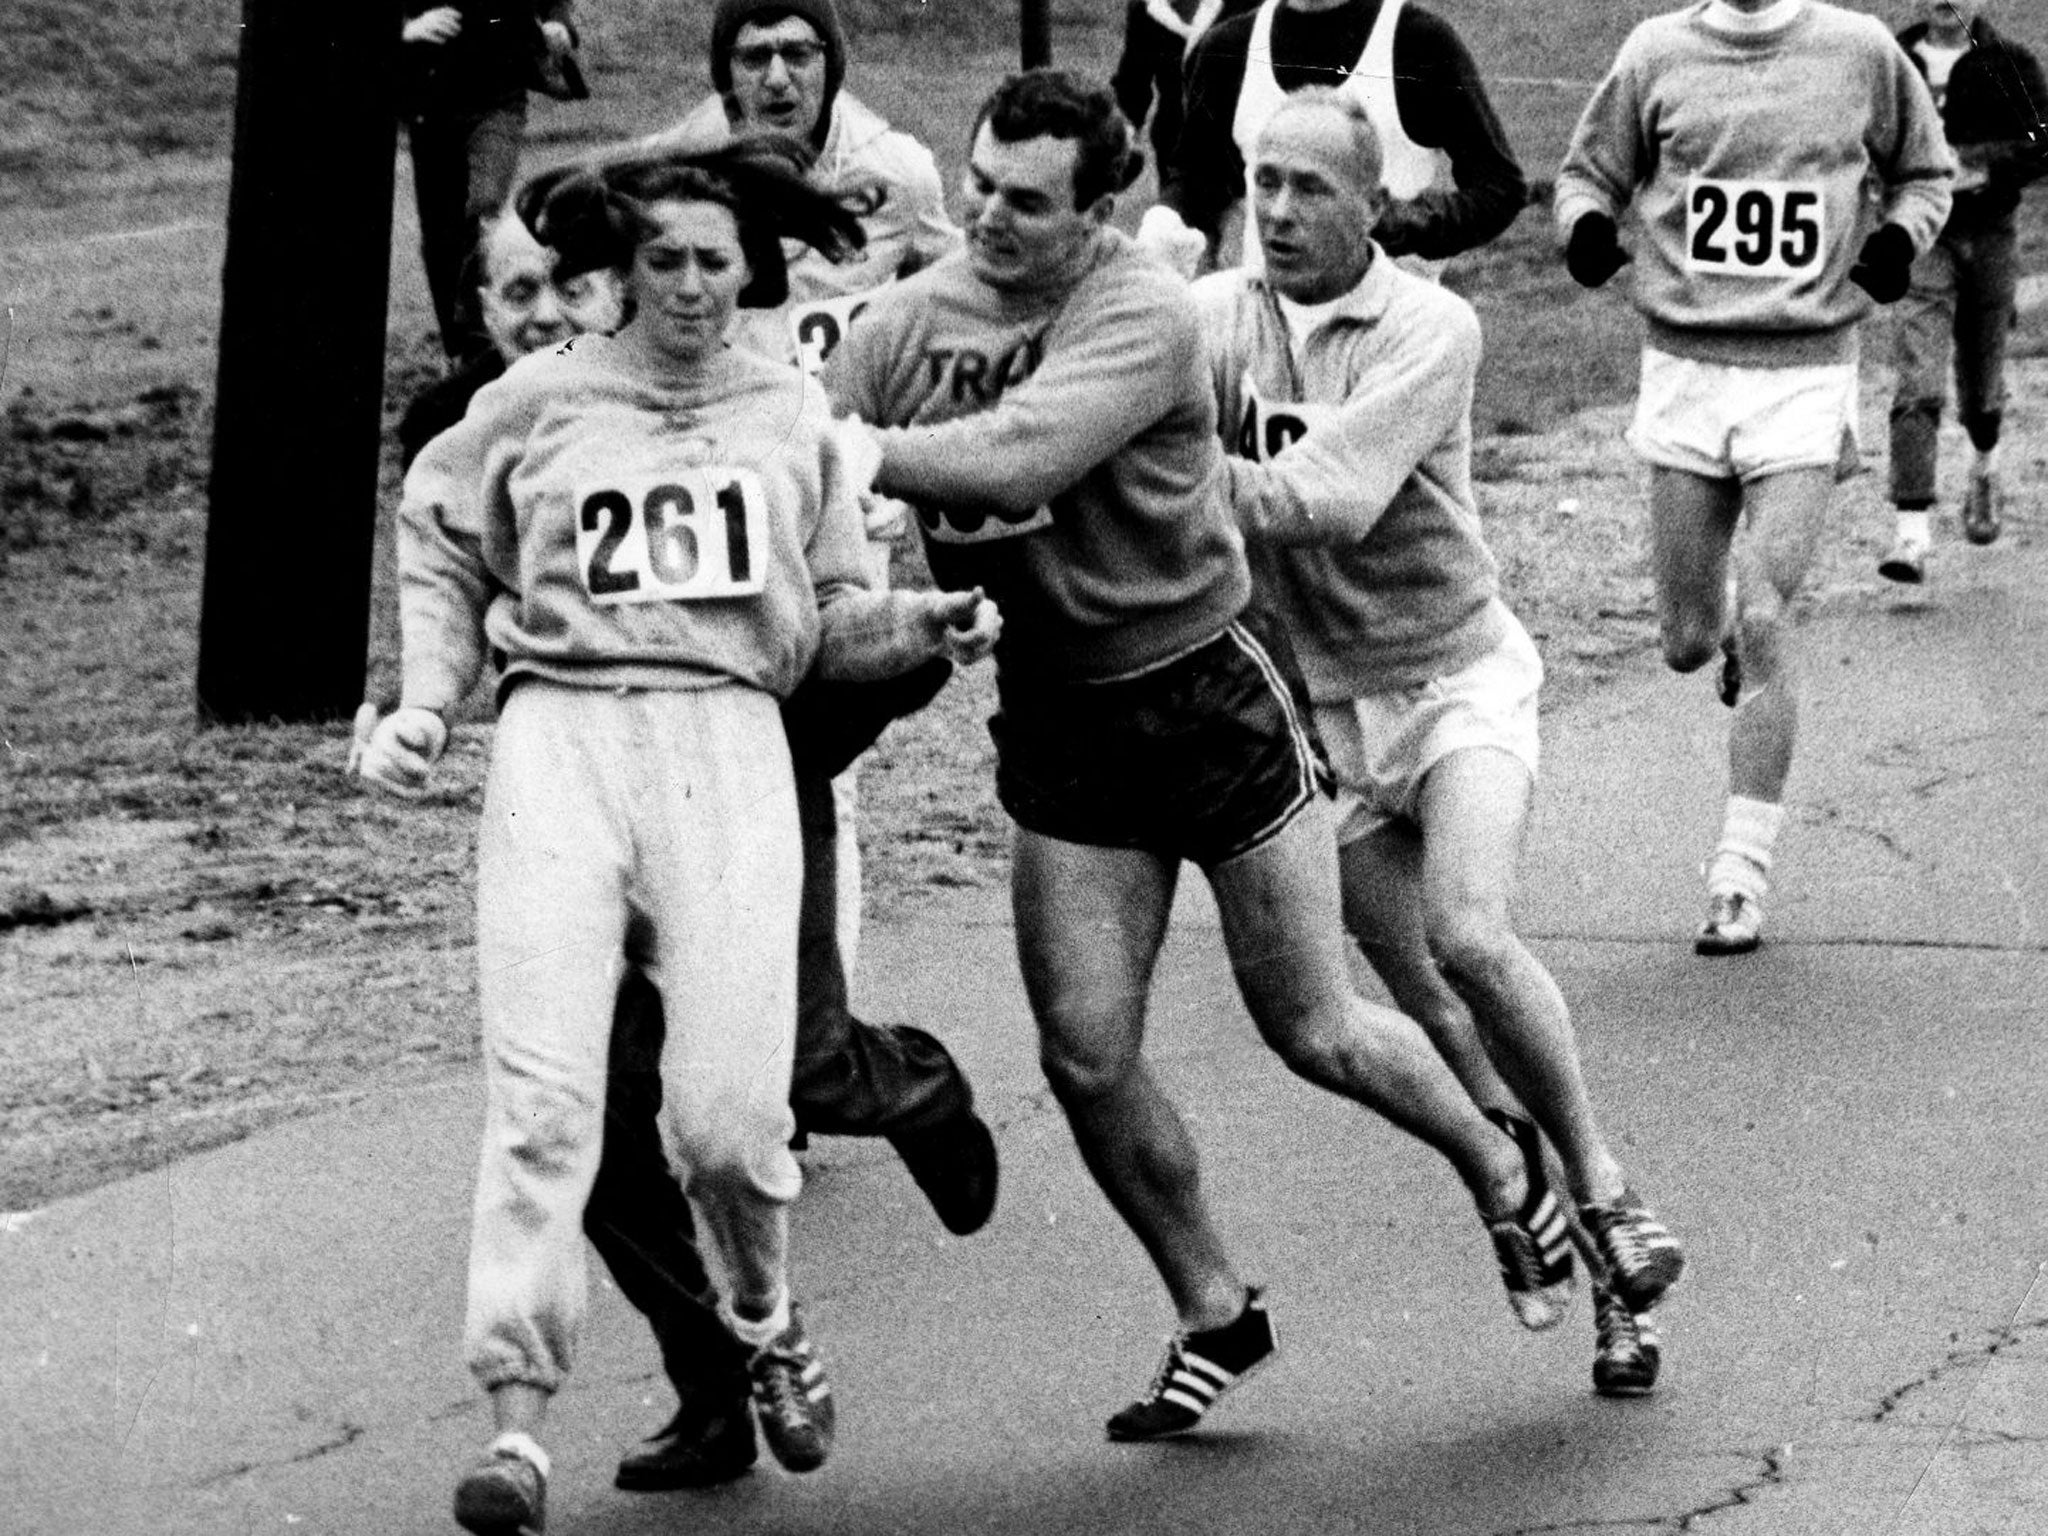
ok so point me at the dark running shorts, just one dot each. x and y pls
(1202, 758)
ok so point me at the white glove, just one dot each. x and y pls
(860, 450)
(1165, 237)
(401, 750)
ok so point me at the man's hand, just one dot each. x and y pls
(964, 626)
(860, 450)
(399, 751)
(443, 24)
(560, 40)
(1884, 267)
(1165, 237)
(1593, 254)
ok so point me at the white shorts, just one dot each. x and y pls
(1724, 422)
(1382, 746)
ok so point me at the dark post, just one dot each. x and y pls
(284, 617)
(1035, 24)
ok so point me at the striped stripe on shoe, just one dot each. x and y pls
(1533, 1246)
(1198, 1369)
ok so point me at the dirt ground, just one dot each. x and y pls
(202, 932)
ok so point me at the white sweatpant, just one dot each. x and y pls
(678, 807)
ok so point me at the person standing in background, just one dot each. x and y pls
(1961, 306)
(467, 66)
(1158, 36)
(1452, 181)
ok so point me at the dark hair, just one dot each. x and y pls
(728, 16)
(594, 215)
(1059, 104)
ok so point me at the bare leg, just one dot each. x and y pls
(1282, 923)
(1474, 808)
(1089, 925)
(1692, 524)
(1786, 514)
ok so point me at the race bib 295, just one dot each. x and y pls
(957, 525)
(694, 534)
(818, 327)
(1761, 229)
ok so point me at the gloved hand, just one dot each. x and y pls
(1593, 254)
(1165, 237)
(1884, 267)
(400, 751)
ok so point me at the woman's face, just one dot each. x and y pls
(686, 278)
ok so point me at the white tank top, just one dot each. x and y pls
(1407, 168)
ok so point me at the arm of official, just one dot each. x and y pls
(1444, 106)
(1910, 151)
(1099, 386)
(1334, 484)
(865, 635)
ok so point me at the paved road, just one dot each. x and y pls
(1846, 1129)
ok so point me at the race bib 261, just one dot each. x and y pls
(1761, 229)
(696, 533)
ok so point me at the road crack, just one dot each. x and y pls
(1770, 1473)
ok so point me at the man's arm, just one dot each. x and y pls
(1207, 174)
(1444, 106)
(1094, 391)
(1916, 165)
(1604, 165)
(1333, 485)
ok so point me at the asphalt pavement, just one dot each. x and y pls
(1845, 1129)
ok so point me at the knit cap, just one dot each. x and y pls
(730, 15)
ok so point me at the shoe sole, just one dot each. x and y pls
(1981, 536)
(1629, 1388)
(1716, 944)
(1905, 575)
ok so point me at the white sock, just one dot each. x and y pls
(1915, 529)
(1742, 860)
(758, 1335)
(1986, 463)
(523, 1445)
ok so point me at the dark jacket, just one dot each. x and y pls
(1150, 65)
(497, 58)
(1998, 98)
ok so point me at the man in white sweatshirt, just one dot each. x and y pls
(1747, 136)
(1344, 392)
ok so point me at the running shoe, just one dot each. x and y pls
(1534, 1245)
(1198, 1369)
(955, 1165)
(1906, 563)
(1627, 1349)
(701, 1447)
(505, 1494)
(1643, 1259)
(1734, 925)
(792, 1398)
(1980, 510)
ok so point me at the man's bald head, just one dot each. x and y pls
(1316, 194)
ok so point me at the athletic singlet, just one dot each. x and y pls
(1407, 169)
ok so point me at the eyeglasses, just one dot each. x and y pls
(755, 58)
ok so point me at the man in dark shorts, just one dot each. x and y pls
(1043, 402)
